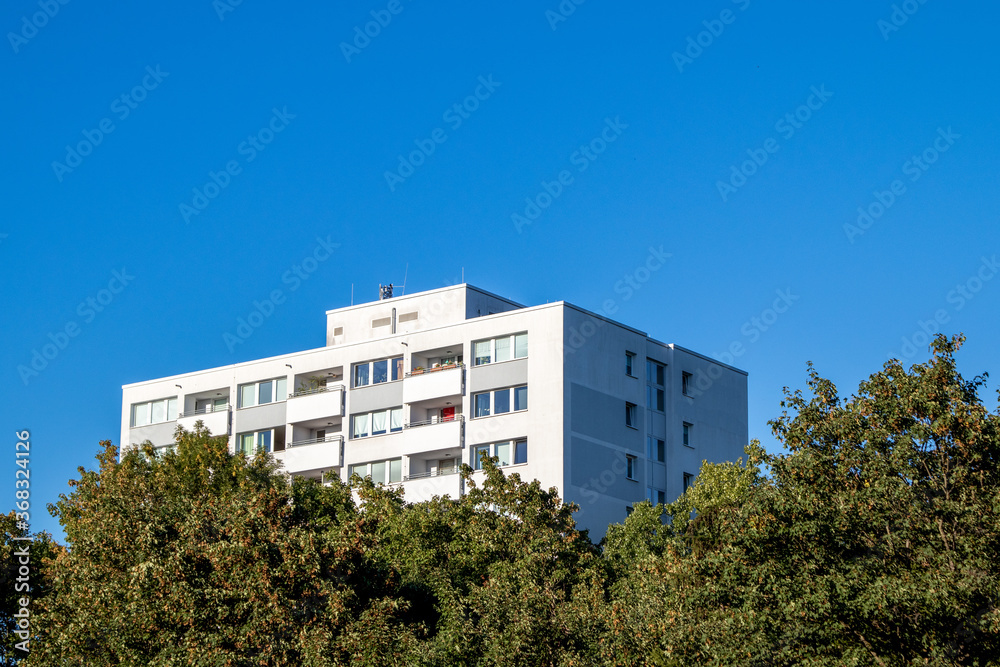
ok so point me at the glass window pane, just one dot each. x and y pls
(520, 346)
(378, 472)
(378, 422)
(158, 413)
(380, 372)
(246, 443)
(521, 398)
(482, 352)
(503, 349)
(264, 441)
(628, 364)
(246, 395)
(140, 414)
(482, 404)
(171, 409)
(396, 470)
(361, 375)
(219, 404)
(477, 455)
(659, 399)
(360, 425)
(659, 374)
(281, 389)
(359, 469)
(397, 368)
(650, 373)
(521, 451)
(396, 419)
(661, 453)
(266, 395)
(501, 401)
(504, 452)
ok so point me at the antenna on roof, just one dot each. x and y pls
(405, 273)
(463, 274)
(384, 292)
(352, 294)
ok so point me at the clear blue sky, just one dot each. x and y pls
(682, 116)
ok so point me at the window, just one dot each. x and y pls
(502, 348)
(378, 422)
(377, 372)
(687, 435)
(630, 467)
(629, 363)
(508, 452)
(657, 449)
(655, 391)
(498, 402)
(688, 480)
(628, 510)
(263, 392)
(630, 415)
(154, 412)
(686, 384)
(655, 496)
(253, 442)
(381, 472)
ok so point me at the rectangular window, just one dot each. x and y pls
(630, 467)
(654, 372)
(501, 401)
(521, 451)
(263, 392)
(630, 415)
(154, 412)
(686, 384)
(501, 348)
(629, 361)
(380, 472)
(378, 422)
(687, 435)
(688, 480)
(482, 404)
(657, 449)
(251, 443)
(504, 450)
(660, 399)
(378, 372)
(477, 456)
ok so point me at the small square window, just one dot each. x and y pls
(501, 401)
(688, 480)
(630, 415)
(482, 404)
(630, 467)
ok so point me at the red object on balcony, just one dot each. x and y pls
(448, 414)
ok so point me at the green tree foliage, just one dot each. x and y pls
(874, 541)
(15, 587)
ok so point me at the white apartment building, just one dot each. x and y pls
(409, 387)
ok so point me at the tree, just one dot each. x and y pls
(874, 541)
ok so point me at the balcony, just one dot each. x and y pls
(314, 454)
(309, 404)
(424, 486)
(433, 434)
(216, 419)
(431, 383)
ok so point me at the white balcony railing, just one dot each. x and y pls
(321, 403)
(314, 454)
(216, 420)
(433, 383)
(419, 489)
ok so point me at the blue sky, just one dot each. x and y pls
(746, 137)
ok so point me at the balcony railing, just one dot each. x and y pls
(435, 420)
(435, 473)
(203, 411)
(316, 390)
(435, 369)
(316, 441)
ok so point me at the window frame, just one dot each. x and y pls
(656, 449)
(255, 445)
(688, 481)
(276, 390)
(351, 470)
(630, 466)
(686, 383)
(686, 428)
(393, 371)
(166, 401)
(517, 446)
(630, 364)
(370, 423)
(631, 415)
(512, 347)
(512, 401)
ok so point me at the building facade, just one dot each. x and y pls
(408, 388)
